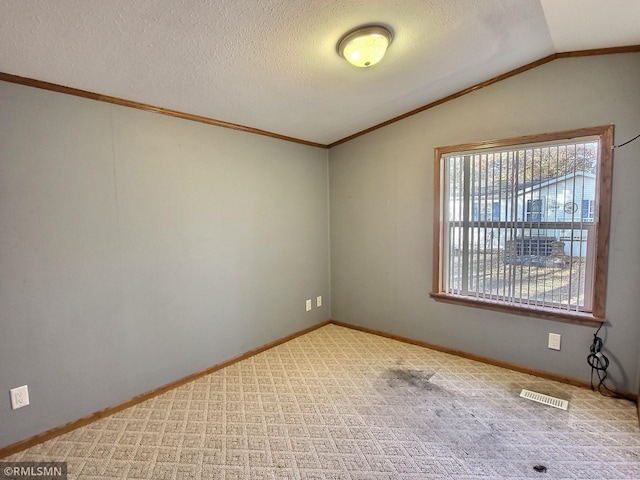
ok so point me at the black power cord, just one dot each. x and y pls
(599, 364)
(625, 143)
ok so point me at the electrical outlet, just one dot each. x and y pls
(319, 301)
(554, 341)
(308, 305)
(19, 397)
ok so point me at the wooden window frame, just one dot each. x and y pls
(602, 222)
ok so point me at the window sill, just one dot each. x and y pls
(577, 318)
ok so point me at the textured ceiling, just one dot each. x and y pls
(272, 64)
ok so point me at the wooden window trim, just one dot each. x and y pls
(605, 169)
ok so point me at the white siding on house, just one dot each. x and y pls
(570, 198)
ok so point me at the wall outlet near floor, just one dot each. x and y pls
(19, 397)
(554, 341)
(308, 305)
(319, 301)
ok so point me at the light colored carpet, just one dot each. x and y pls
(341, 404)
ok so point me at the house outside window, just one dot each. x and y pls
(523, 224)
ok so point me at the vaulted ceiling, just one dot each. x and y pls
(272, 64)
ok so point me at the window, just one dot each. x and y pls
(534, 210)
(522, 224)
(588, 210)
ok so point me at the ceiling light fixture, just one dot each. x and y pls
(365, 46)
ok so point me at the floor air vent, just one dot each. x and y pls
(546, 399)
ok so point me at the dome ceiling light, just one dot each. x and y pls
(365, 46)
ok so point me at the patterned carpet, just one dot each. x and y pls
(341, 404)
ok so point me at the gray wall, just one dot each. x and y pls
(138, 248)
(381, 193)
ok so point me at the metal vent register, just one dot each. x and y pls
(546, 399)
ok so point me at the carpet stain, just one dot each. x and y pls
(414, 378)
